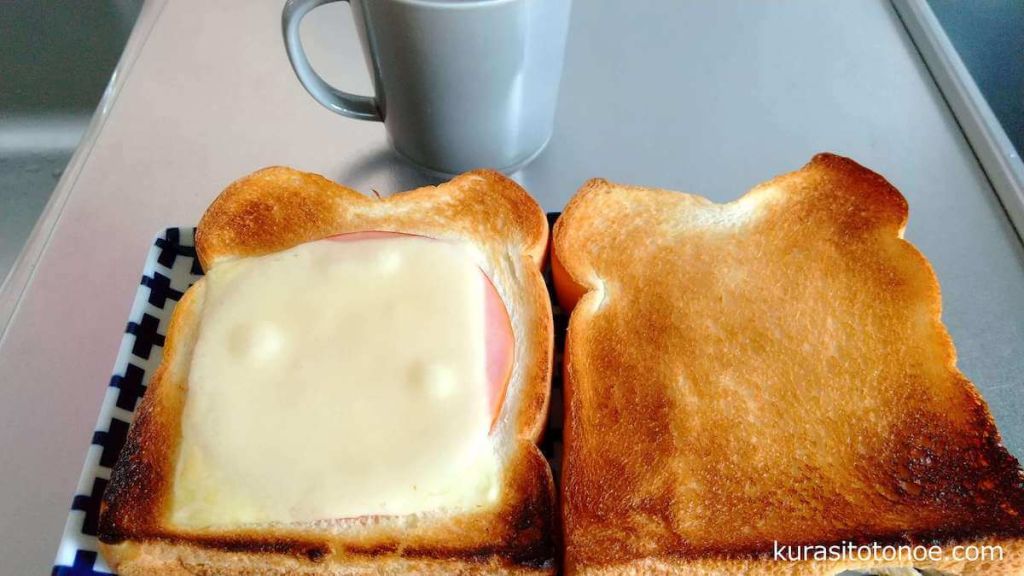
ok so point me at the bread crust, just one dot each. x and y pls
(771, 369)
(278, 208)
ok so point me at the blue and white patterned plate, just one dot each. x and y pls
(171, 267)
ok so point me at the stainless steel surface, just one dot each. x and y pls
(988, 39)
(988, 138)
(54, 64)
(707, 97)
(27, 177)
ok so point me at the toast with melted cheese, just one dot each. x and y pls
(770, 370)
(172, 507)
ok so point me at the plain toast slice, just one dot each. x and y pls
(275, 209)
(770, 370)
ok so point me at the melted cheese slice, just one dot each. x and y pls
(335, 380)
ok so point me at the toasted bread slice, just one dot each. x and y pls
(771, 370)
(278, 208)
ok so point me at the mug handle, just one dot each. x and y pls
(344, 103)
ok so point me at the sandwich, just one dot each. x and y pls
(356, 386)
(766, 387)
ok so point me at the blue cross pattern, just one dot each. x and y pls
(130, 387)
(146, 336)
(160, 289)
(84, 565)
(171, 247)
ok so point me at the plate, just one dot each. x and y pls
(171, 267)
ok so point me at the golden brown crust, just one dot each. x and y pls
(186, 559)
(140, 486)
(772, 369)
(275, 209)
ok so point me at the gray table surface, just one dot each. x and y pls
(706, 97)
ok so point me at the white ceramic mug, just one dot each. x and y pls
(459, 84)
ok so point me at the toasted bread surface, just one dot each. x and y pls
(275, 209)
(769, 370)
